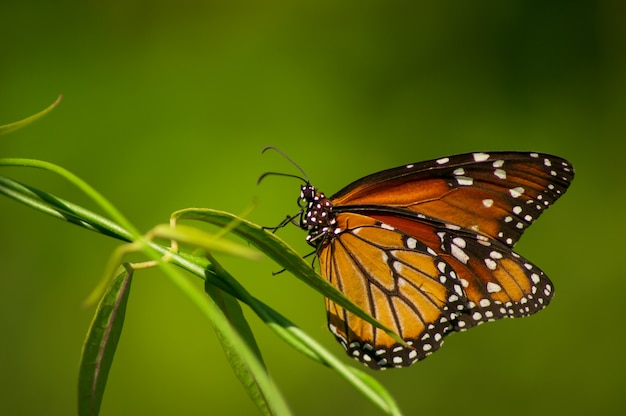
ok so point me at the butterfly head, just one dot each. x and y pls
(317, 214)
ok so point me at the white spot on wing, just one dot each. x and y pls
(459, 242)
(459, 254)
(443, 160)
(491, 265)
(480, 157)
(488, 203)
(516, 192)
(493, 287)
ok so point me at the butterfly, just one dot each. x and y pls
(426, 248)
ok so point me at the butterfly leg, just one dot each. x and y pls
(290, 219)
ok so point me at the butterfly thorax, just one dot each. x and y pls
(317, 217)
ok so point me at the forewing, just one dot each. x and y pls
(497, 194)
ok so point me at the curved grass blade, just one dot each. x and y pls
(249, 361)
(256, 387)
(380, 392)
(280, 252)
(101, 343)
(82, 185)
(201, 239)
(289, 332)
(8, 128)
(299, 340)
(61, 208)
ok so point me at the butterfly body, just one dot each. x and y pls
(426, 248)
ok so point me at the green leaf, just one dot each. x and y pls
(60, 208)
(201, 239)
(101, 343)
(299, 340)
(368, 383)
(256, 387)
(284, 255)
(234, 335)
(8, 128)
(201, 267)
(88, 190)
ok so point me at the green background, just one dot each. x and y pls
(167, 105)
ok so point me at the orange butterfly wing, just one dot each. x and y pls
(497, 282)
(496, 194)
(399, 281)
(421, 293)
(426, 248)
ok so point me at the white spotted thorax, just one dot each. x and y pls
(317, 218)
(485, 202)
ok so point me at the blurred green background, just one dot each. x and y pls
(167, 105)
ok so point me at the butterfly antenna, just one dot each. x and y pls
(304, 176)
(280, 174)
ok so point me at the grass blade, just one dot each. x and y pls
(101, 343)
(280, 252)
(256, 387)
(248, 360)
(8, 128)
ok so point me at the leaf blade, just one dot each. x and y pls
(284, 255)
(256, 387)
(8, 128)
(101, 343)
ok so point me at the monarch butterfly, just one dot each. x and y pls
(426, 248)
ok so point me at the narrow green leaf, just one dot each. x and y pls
(75, 180)
(284, 255)
(201, 239)
(299, 340)
(60, 208)
(101, 343)
(8, 128)
(256, 387)
(238, 349)
(288, 331)
(380, 392)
